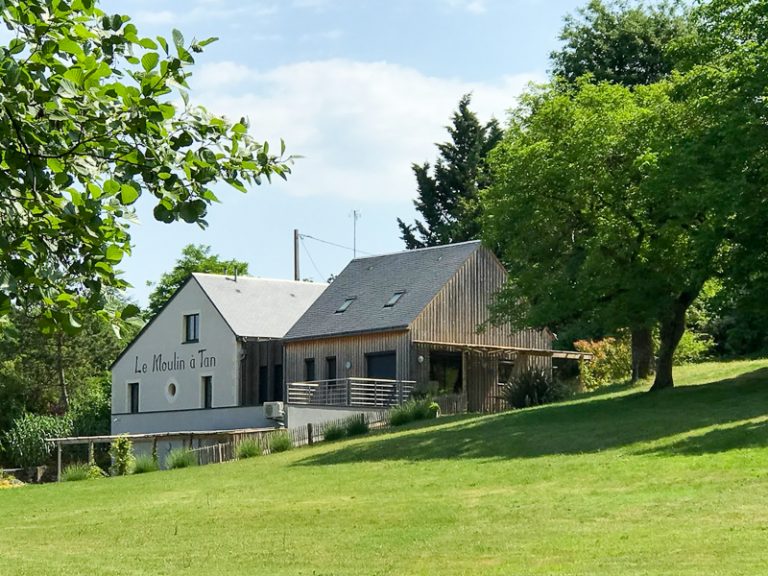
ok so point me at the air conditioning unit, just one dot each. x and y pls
(274, 410)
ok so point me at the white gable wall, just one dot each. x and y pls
(159, 357)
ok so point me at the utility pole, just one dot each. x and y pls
(355, 217)
(296, 274)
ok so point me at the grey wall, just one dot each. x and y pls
(300, 416)
(191, 420)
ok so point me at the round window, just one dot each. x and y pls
(171, 389)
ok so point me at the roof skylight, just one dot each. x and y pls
(394, 299)
(347, 303)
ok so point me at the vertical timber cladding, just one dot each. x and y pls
(345, 349)
(261, 358)
(455, 315)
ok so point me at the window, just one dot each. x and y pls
(347, 303)
(207, 391)
(330, 368)
(133, 395)
(309, 369)
(278, 382)
(381, 365)
(191, 327)
(394, 299)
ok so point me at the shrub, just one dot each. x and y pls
(412, 410)
(532, 388)
(77, 472)
(145, 463)
(248, 448)
(611, 361)
(121, 452)
(9, 481)
(24, 444)
(180, 458)
(400, 415)
(356, 425)
(334, 432)
(280, 442)
(693, 347)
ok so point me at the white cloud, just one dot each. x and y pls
(359, 125)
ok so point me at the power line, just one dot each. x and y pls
(334, 244)
(303, 245)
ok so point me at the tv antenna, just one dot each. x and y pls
(356, 215)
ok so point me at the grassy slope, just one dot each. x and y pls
(617, 483)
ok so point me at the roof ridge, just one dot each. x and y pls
(424, 249)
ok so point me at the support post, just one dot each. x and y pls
(296, 274)
(58, 462)
(91, 458)
(310, 440)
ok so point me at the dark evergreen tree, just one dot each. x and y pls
(447, 195)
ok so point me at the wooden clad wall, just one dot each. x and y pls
(267, 353)
(346, 349)
(462, 305)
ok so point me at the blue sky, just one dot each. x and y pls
(361, 89)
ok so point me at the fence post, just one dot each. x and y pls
(91, 459)
(349, 392)
(310, 440)
(58, 462)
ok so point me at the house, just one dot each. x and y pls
(413, 320)
(210, 358)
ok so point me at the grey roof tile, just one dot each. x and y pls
(372, 282)
(259, 307)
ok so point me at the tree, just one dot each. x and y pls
(607, 205)
(619, 42)
(627, 44)
(87, 126)
(193, 259)
(448, 195)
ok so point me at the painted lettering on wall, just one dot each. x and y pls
(163, 363)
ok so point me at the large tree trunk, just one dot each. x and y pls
(64, 395)
(642, 353)
(670, 331)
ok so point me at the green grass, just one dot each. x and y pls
(618, 482)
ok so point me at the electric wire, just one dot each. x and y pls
(306, 250)
(302, 236)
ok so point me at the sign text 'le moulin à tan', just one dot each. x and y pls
(164, 364)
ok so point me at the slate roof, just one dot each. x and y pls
(372, 282)
(259, 307)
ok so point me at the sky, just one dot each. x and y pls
(361, 89)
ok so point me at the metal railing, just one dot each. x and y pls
(363, 392)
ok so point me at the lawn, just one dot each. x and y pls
(619, 482)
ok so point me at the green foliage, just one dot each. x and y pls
(334, 432)
(614, 41)
(180, 458)
(279, 442)
(248, 448)
(356, 425)
(413, 410)
(533, 388)
(24, 444)
(611, 361)
(693, 347)
(77, 472)
(121, 452)
(448, 196)
(145, 463)
(193, 259)
(91, 123)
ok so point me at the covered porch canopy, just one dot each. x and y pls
(491, 349)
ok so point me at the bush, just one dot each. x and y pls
(9, 481)
(413, 410)
(611, 361)
(334, 432)
(24, 444)
(533, 388)
(180, 458)
(693, 347)
(121, 452)
(77, 472)
(145, 463)
(356, 425)
(248, 448)
(280, 442)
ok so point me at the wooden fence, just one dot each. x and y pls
(311, 433)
